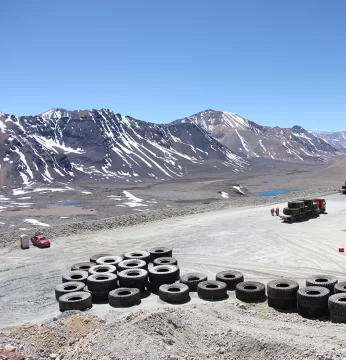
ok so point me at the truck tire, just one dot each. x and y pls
(140, 255)
(282, 304)
(174, 293)
(102, 282)
(326, 281)
(313, 296)
(159, 252)
(75, 275)
(80, 300)
(124, 297)
(193, 279)
(109, 260)
(295, 204)
(162, 275)
(334, 318)
(97, 296)
(102, 269)
(85, 266)
(212, 290)
(337, 304)
(68, 287)
(165, 261)
(95, 257)
(133, 278)
(282, 289)
(230, 278)
(340, 287)
(250, 291)
(132, 264)
(310, 311)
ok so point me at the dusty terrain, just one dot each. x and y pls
(246, 239)
(23, 209)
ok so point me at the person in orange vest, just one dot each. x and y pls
(277, 211)
(272, 211)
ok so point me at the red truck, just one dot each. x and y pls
(40, 241)
(321, 204)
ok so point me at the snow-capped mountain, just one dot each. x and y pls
(92, 144)
(245, 137)
(336, 139)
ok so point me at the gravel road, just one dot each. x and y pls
(248, 239)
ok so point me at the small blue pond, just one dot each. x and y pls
(69, 203)
(274, 192)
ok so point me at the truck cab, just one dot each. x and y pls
(321, 204)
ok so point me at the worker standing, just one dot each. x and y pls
(277, 211)
(272, 211)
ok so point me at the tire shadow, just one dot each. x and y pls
(145, 294)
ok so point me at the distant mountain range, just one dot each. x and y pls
(249, 139)
(63, 145)
(335, 139)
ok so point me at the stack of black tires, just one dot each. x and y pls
(123, 280)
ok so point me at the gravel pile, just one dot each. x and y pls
(232, 331)
(156, 215)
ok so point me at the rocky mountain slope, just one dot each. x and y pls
(91, 144)
(336, 139)
(249, 139)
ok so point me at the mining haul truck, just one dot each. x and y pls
(302, 209)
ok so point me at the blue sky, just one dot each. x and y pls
(274, 62)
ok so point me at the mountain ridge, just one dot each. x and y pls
(94, 144)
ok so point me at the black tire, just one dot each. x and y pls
(174, 293)
(313, 297)
(337, 304)
(308, 311)
(102, 269)
(230, 278)
(132, 264)
(250, 291)
(97, 296)
(80, 300)
(282, 304)
(94, 258)
(163, 274)
(165, 261)
(109, 260)
(75, 275)
(133, 278)
(159, 252)
(334, 318)
(124, 297)
(85, 266)
(212, 290)
(68, 287)
(282, 289)
(192, 280)
(141, 255)
(326, 281)
(343, 187)
(295, 204)
(102, 282)
(340, 287)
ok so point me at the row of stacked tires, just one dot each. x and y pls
(123, 280)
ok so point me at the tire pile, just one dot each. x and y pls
(123, 280)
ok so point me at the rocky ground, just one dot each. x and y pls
(242, 238)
